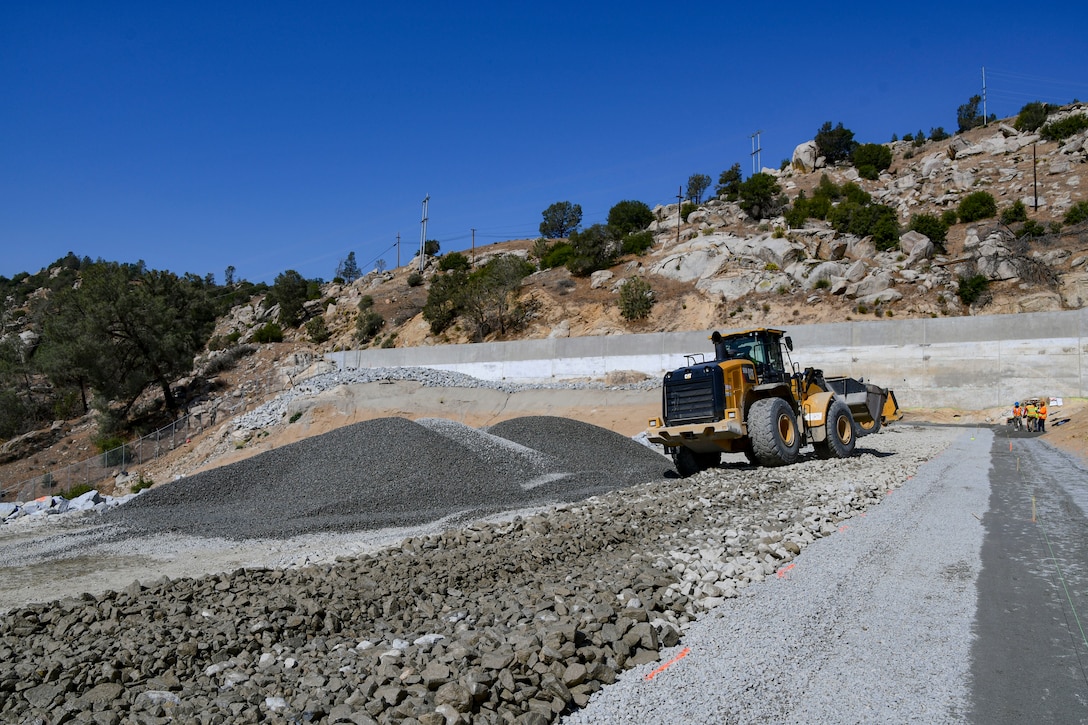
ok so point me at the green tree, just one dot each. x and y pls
(126, 328)
(592, 249)
(835, 144)
(560, 219)
(729, 183)
(486, 297)
(967, 115)
(290, 290)
(872, 158)
(348, 269)
(489, 300)
(431, 247)
(697, 184)
(629, 216)
(759, 195)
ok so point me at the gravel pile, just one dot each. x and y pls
(518, 621)
(395, 472)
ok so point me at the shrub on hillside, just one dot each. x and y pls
(453, 260)
(592, 249)
(1015, 212)
(970, 289)
(975, 206)
(1077, 213)
(556, 255)
(873, 158)
(317, 330)
(636, 299)
(932, 227)
(1031, 117)
(687, 208)
(270, 332)
(637, 243)
(415, 279)
(1063, 129)
(949, 217)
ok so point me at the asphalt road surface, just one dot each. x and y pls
(1029, 658)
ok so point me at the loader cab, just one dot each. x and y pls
(762, 346)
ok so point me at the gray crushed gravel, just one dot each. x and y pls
(394, 472)
(870, 625)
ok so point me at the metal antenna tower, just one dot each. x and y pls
(423, 232)
(757, 147)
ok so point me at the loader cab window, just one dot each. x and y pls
(768, 358)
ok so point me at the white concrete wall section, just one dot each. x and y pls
(962, 362)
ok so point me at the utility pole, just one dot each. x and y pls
(679, 207)
(398, 250)
(757, 147)
(984, 117)
(472, 259)
(1035, 176)
(423, 232)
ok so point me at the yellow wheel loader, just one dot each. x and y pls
(752, 399)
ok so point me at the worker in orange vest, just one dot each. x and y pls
(1042, 416)
(1017, 416)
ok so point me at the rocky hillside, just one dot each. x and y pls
(721, 268)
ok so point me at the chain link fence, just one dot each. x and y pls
(91, 472)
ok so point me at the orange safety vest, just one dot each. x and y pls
(1016, 411)
(1042, 412)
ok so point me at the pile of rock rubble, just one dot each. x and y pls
(515, 621)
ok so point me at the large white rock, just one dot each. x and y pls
(806, 157)
(599, 278)
(728, 288)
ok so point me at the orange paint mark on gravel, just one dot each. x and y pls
(683, 653)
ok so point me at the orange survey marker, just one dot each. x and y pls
(785, 570)
(683, 653)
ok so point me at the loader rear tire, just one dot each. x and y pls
(841, 432)
(689, 462)
(772, 426)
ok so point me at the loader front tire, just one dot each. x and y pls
(841, 432)
(772, 426)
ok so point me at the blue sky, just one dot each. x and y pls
(273, 135)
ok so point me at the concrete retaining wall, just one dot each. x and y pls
(963, 362)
